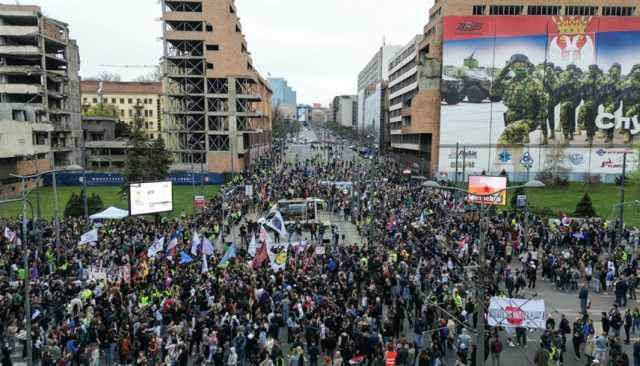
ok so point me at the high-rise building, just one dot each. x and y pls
(489, 97)
(284, 97)
(40, 116)
(131, 101)
(344, 110)
(371, 84)
(217, 106)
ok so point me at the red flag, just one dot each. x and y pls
(261, 256)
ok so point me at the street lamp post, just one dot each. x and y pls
(482, 260)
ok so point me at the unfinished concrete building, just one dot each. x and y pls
(40, 114)
(217, 106)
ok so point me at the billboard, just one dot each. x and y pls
(481, 188)
(521, 93)
(150, 198)
(513, 313)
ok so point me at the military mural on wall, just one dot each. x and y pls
(517, 87)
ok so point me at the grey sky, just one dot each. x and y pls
(319, 46)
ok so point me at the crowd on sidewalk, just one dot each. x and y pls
(401, 296)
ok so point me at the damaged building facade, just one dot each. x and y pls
(217, 106)
(40, 112)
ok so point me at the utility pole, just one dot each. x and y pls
(85, 204)
(622, 182)
(482, 267)
(27, 274)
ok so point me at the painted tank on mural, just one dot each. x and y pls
(476, 82)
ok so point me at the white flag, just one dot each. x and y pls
(205, 265)
(207, 247)
(278, 255)
(9, 235)
(253, 246)
(195, 243)
(277, 223)
(89, 237)
(156, 247)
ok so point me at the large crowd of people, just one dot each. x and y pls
(401, 295)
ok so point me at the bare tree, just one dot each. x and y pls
(105, 76)
(152, 76)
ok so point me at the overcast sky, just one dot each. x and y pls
(319, 46)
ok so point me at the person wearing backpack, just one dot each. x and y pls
(496, 349)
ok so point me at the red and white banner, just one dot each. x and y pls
(513, 313)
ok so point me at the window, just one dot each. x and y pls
(122, 113)
(130, 101)
(543, 10)
(505, 9)
(121, 100)
(209, 28)
(580, 10)
(146, 113)
(146, 125)
(151, 113)
(84, 100)
(479, 9)
(209, 66)
(151, 125)
(232, 10)
(130, 112)
(620, 11)
(95, 100)
(19, 115)
(113, 100)
(238, 30)
(138, 101)
(213, 47)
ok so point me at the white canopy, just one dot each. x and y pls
(111, 213)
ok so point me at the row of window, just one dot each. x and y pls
(404, 83)
(114, 101)
(401, 71)
(553, 10)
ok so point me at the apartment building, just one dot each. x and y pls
(371, 89)
(319, 114)
(128, 98)
(457, 108)
(217, 106)
(39, 94)
(104, 153)
(344, 110)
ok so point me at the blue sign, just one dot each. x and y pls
(117, 179)
(504, 156)
(526, 160)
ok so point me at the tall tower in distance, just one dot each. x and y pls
(217, 106)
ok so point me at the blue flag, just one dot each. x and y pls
(231, 253)
(185, 258)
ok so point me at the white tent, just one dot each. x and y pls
(111, 213)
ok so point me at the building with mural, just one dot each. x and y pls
(527, 88)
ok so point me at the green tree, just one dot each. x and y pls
(75, 205)
(159, 160)
(122, 130)
(102, 110)
(584, 208)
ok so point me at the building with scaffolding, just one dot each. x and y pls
(217, 106)
(40, 113)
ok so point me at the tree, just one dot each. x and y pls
(155, 75)
(75, 205)
(584, 208)
(105, 76)
(159, 160)
(103, 110)
(122, 130)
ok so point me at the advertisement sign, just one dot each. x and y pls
(482, 188)
(522, 201)
(518, 87)
(198, 202)
(150, 198)
(513, 313)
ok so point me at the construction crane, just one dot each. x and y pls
(132, 66)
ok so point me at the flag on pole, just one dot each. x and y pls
(195, 243)
(156, 247)
(89, 237)
(9, 234)
(230, 254)
(207, 247)
(276, 222)
(278, 256)
(205, 265)
(185, 258)
(261, 256)
(253, 247)
(173, 243)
